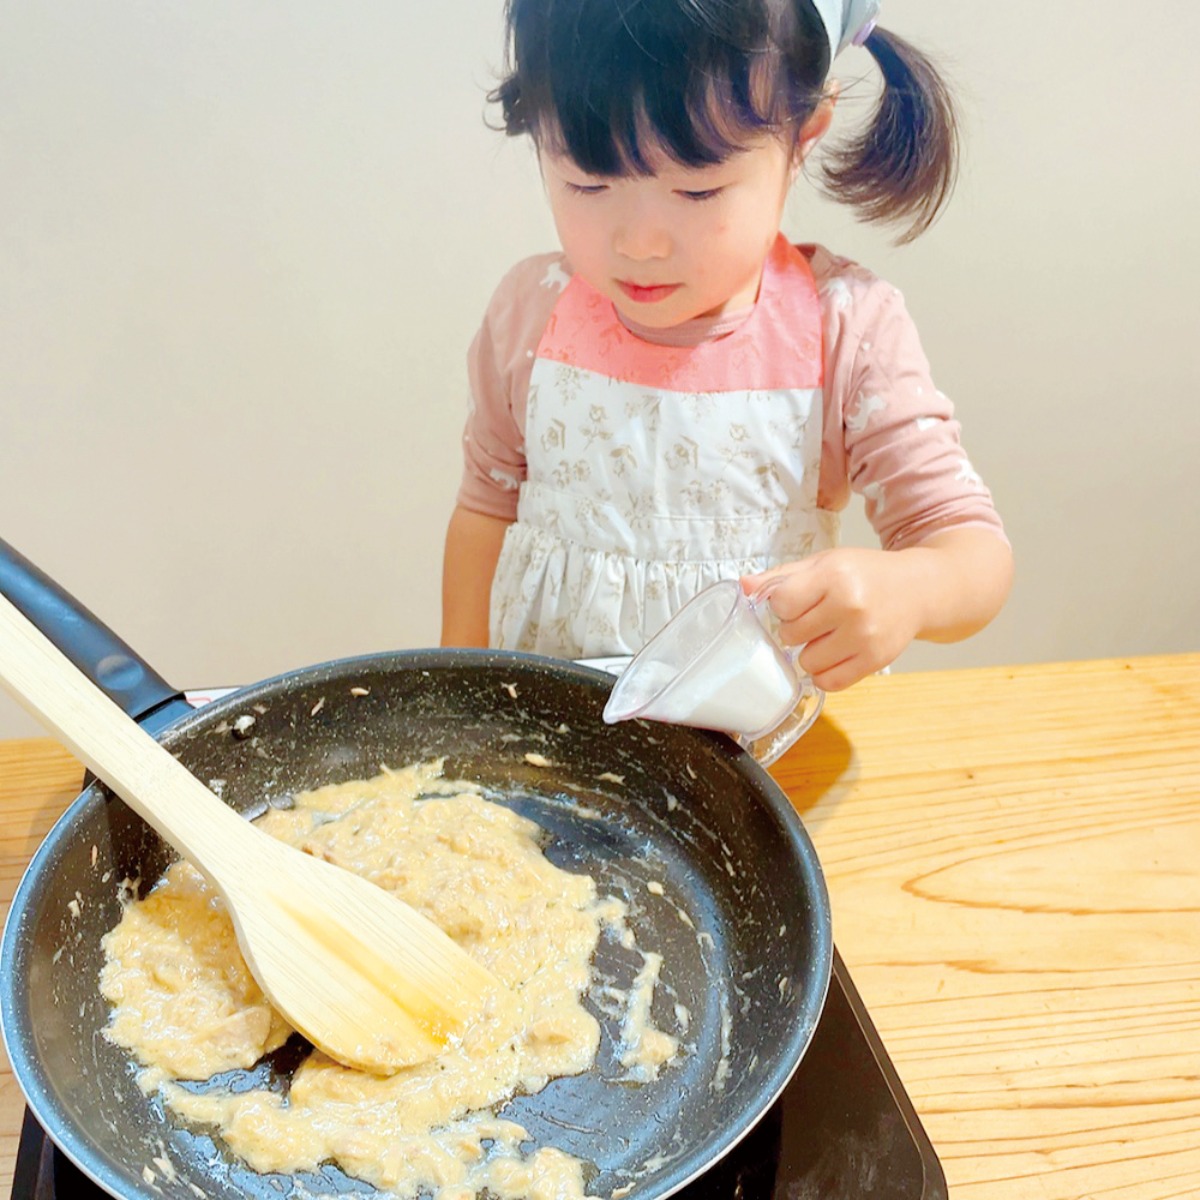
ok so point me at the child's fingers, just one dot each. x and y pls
(813, 624)
(840, 675)
(791, 590)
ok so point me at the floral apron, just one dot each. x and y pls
(654, 471)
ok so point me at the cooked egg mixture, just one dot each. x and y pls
(186, 1006)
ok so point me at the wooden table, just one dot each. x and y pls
(1014, 860)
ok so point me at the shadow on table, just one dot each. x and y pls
(815, 771)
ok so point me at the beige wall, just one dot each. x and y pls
(243, 248)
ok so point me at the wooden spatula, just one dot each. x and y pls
(362, 975)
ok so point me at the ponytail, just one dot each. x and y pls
(903, 166)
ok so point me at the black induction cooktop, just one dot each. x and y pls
(844, 1129)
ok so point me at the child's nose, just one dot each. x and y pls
(642, 237)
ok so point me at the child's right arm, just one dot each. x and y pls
(473, 544)
(499, 364)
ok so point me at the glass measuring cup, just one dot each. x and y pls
(717, 665)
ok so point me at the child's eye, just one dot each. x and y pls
(587, 189)
(707, 194)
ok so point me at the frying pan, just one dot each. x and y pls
(743, 920)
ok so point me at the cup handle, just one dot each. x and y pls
(766, 749)
(760, 605)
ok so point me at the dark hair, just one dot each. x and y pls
(599, 80)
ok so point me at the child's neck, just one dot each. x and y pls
(689, 333)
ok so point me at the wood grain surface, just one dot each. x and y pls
(1014, 860)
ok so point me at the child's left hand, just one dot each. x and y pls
(849, 605)
(855, 610)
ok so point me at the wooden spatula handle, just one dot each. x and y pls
(105, 658)
(147, 777)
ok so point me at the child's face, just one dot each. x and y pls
(683, 242)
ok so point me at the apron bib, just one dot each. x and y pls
(655, 471)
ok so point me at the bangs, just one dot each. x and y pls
(618, 127)
(694, 82)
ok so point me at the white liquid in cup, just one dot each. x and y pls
(743, 686)
(712, 666)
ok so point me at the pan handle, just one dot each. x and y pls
(102, 656)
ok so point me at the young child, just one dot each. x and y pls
(682, 395)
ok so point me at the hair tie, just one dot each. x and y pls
(860, 38)
(847, 22)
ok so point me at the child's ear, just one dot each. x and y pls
(817, 124)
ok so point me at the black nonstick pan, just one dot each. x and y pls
(742, 922)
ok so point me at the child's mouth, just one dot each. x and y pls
(647, 295)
